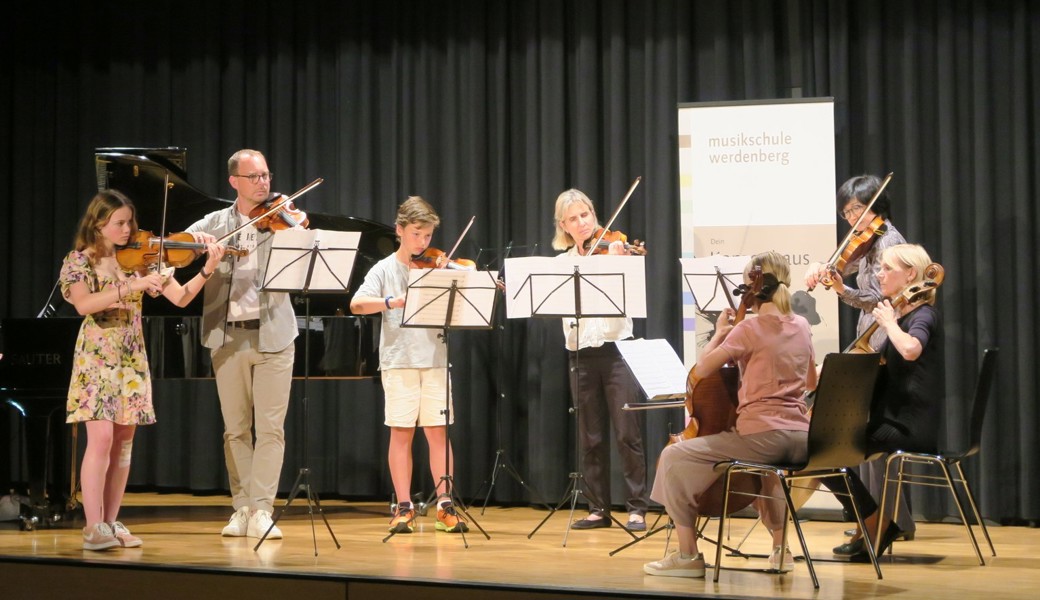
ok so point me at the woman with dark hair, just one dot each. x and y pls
(852, 199)
(111, 390)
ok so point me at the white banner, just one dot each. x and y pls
(757, 176)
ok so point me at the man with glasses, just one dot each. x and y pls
(250, 335)
(853, 197)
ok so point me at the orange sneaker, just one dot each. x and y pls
(448, 520)
(403, 520)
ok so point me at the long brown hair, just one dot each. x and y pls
(99, 211)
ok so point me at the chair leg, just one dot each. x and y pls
(883, 508)
(863, 527)
(960, 510)
(974, 507)
(722, 523)
(790, 513)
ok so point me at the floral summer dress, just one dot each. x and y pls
(110, 378)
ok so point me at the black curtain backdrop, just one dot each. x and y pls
(491, 108)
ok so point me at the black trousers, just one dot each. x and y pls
(885, 438)
(600, 388)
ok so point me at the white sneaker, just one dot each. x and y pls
(237, 524)
(676, 566)
(774, 560)
(259, 523)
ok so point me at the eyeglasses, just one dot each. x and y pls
(256, 178)
(848, 213)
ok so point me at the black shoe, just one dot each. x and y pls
(634, 525)
(850, 548)
(591, 523)
(891, 534)
(905, 537)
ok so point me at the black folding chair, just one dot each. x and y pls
(837, 441)
(949, 461)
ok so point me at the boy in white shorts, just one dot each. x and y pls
(413, 363)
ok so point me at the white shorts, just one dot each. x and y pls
(415, 397)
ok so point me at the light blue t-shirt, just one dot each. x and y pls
(401, 347)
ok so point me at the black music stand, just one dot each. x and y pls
(554, 288)
(308, 261)
(485, 257)
(449, 299)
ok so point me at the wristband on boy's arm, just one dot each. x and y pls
(387, 301)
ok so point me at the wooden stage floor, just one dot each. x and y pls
(185, 557)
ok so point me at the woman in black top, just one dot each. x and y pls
(905, 412)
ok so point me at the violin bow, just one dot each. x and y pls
(162, 226)
(617, 211)
(459, 241)
(854, 229)
(275, 207)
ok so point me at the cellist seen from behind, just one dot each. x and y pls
(775, 354)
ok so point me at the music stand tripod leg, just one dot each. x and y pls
(447, 479)
(574, 488)
(302, 482)
(503, 464)
(654, 530)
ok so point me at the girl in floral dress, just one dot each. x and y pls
(111, 390)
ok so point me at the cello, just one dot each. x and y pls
(711, 403)
(933, 278)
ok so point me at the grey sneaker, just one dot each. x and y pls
(126, 539)
(99, 537)
(237, 524)
(676, 566)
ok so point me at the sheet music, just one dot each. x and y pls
(289, 259)
(543, 286)
(699, 278)
(656, 367)
(430, 289)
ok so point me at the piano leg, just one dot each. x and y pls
(46, 505)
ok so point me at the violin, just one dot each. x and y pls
(432, 258)
(287, 216)
(179, 250)
(605, 237)
(857, 242)
(933, 278)
(854, 248)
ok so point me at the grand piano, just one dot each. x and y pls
(37, 353)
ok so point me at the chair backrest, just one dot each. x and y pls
(983, 386)
(838, 430)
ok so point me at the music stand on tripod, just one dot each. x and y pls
(449, 299)
(485, 258)
(308, 261)
(576, 287)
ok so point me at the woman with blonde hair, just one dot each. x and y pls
(602, 385)
(910, 389)
(777, 362)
